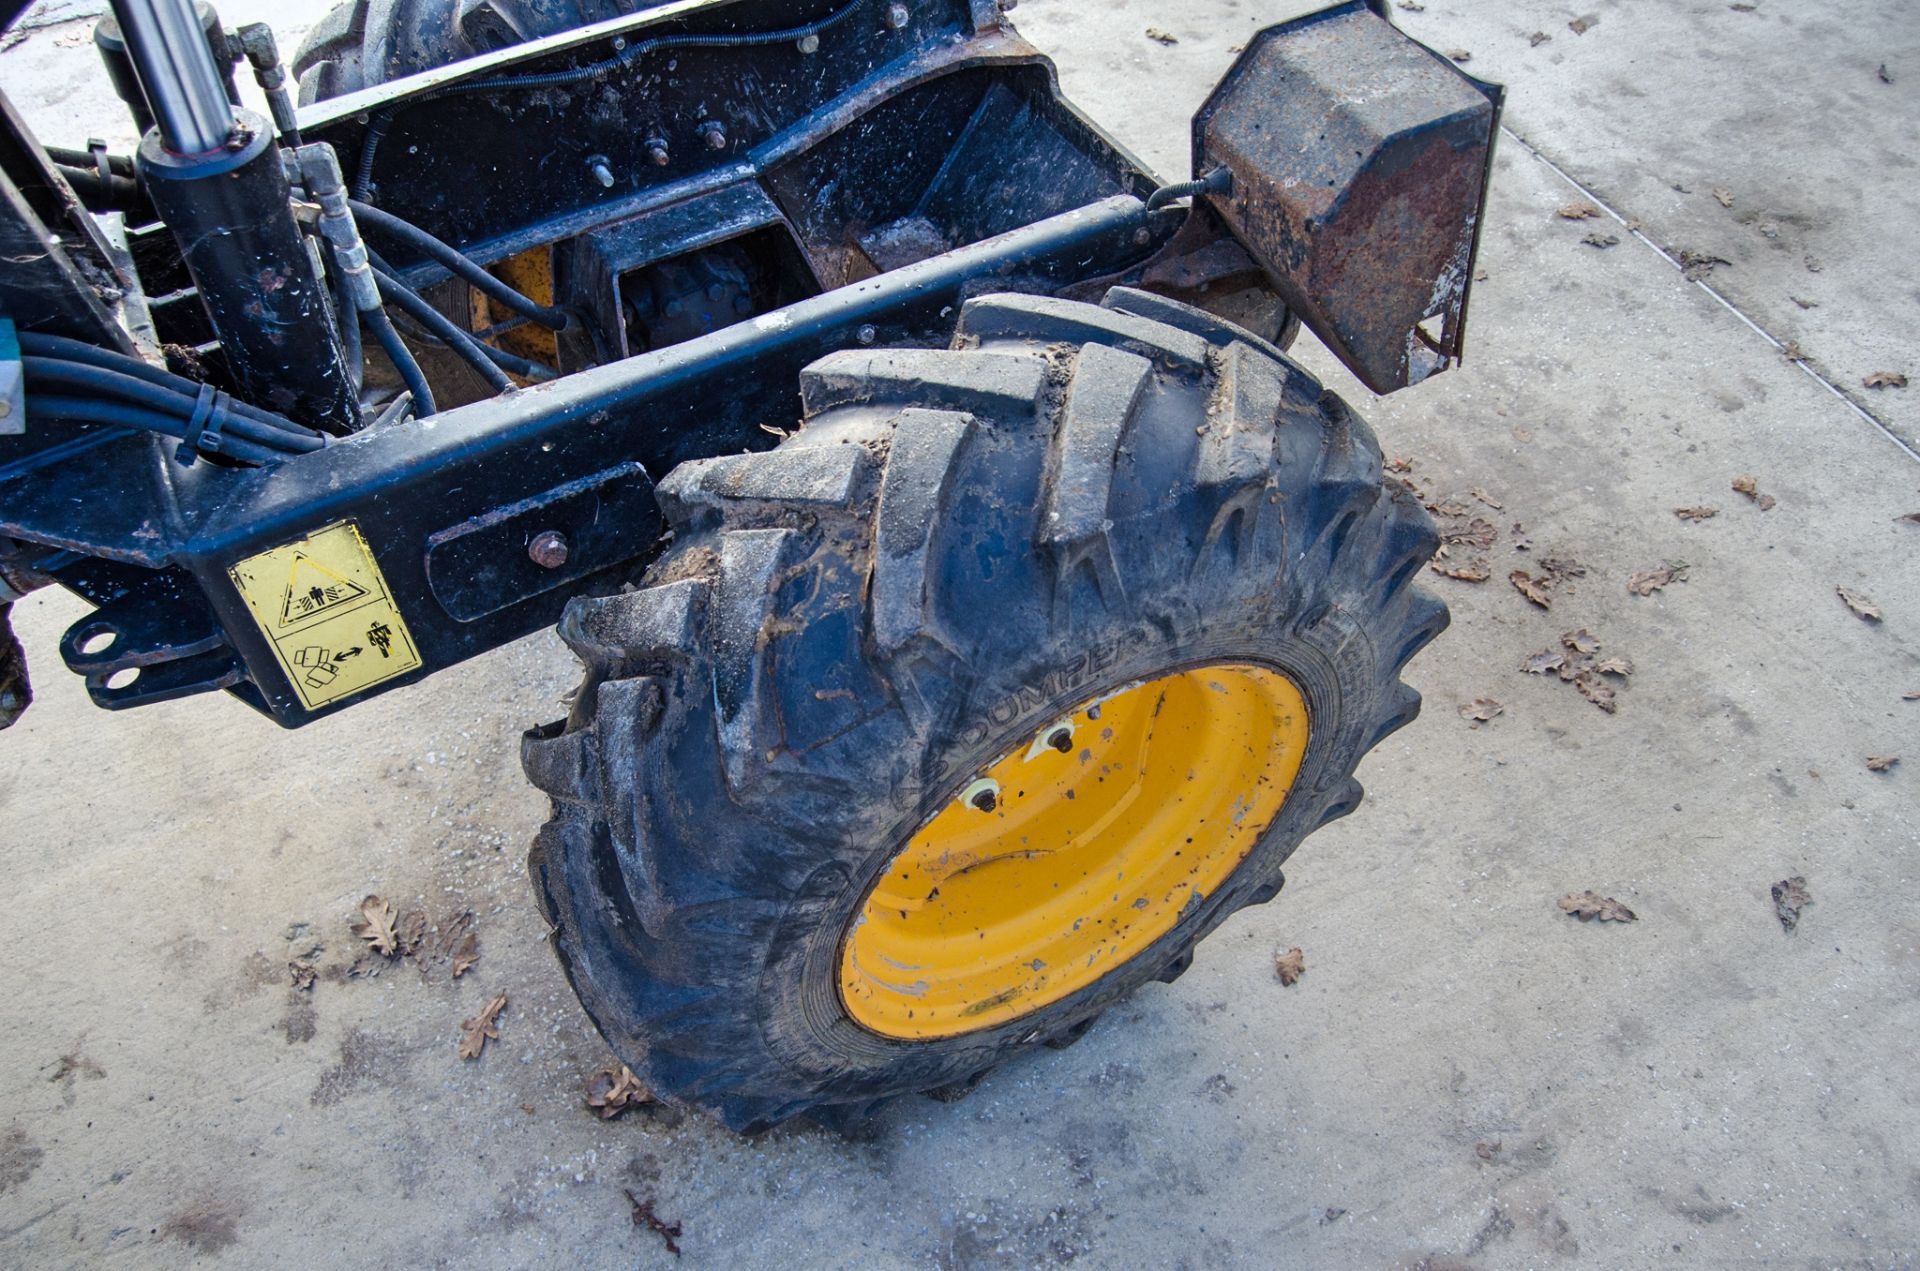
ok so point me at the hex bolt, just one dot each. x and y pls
(597, 165)
(897, 17)
(808, 44)
(548, 549)
(986, 801)
(657, 151)
(1142, 236)
(867, 333)
(1061, 739)
(716, 134)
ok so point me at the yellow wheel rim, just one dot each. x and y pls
(1074, 851)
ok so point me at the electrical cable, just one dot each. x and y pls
(381, 120)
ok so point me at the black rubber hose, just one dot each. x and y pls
(95, 380)
(396, 293)
(413, 303)
(116, 193)
(69, 350)
(84, 410)
(402, 358)
(458, 263)
(381, 120)
(121, 165)
(1218, 181)
(352, 355)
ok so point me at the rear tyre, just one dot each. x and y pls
(952, 652)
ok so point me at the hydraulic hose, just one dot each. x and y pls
(443, 329)
(63, 349)
(458, 263)
(381, 120)
(83, 410)
(402, 358)
(413, 304)
(94, 380)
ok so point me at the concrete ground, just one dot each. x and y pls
(1465, 1076)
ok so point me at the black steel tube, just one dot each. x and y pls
(184, 88)
(231, 214)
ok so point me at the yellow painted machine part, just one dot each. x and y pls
(531, 274)
(1074, 852)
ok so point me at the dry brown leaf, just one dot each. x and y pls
(1804, 303)
(1743, 7)
(1723, 197)
(1474, 571)
(1544, 661)
(1480, 710)
(1881, 763)
(1476, 533)
(1789, 898)
(476, 1032)
(1911, 697)
(1619, 666)
(1158, 36)
(1581, 640)
(1399, 463)
(1289, 966)
(1648, 581)
(1578, 210)
(643, 1216)
(303, 973)
(1460, 55)
(1538, 38)
(1751, 488)
(1597, 691)
(1908, 518)
(612, 1091)
(376, 926)
(1584, 23)
(1696, 513)
(1885, 379)
(1413, 6)
(1486, 498)
(1521, 543)
(1486, 1151)
(1534, 589)
(1865, 608)
(465, 954)
(410, 932)
(1792, 352)
(1556, 568)
(1598, 239)
(1697, 265)
(1589, 904)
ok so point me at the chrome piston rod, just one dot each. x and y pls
(183, 87)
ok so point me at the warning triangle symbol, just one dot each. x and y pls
(313, 589)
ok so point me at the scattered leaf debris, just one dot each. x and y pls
(1521, 543)
(1538, 38)
(1885, 379)
(1584, 23)
(1743, 8)
(1751, 488)
(1486, 498)
(1861, 606)
(1574, 662)
(1911, 697)
(1909, 518)
(465, 954)
(410, 932)
(1560, 568)
(1486, 1151)
(1648, 581)
(1886, 77)
(1476, 532)
(613, 1090)
(1789, 898)
(1696, 513)
(1587, 905)
(1579, 210)
(1805, 304)
(376, 926)
(1697, 265)
(643, 1216)
(1534, 589)
(1158, 36)
(1474, 571)
(1480, 710)
(303, 973)
(1413, 6)
(1792, 351)
(1289, 966)
(1597, 239)
(476, 1032)
(1460, 55)
(1881, 763)
(1723, 197)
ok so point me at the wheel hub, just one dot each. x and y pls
(1074, 851)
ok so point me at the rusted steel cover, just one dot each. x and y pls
(1360, 160)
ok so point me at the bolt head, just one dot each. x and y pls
(716, 135)
(658, 153)
(549, 549)
(808, 44)
(1061, 739)
(867, 334)
(897, 17)
(986, 801)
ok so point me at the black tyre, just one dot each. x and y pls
(365, 42)
(960, 552)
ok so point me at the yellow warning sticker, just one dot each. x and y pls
(324, 607)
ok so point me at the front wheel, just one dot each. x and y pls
(973, 705)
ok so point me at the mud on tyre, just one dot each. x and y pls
(1030, 559)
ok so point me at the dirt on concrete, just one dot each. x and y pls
(1466, 1077)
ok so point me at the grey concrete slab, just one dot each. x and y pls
(1464, 1077)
